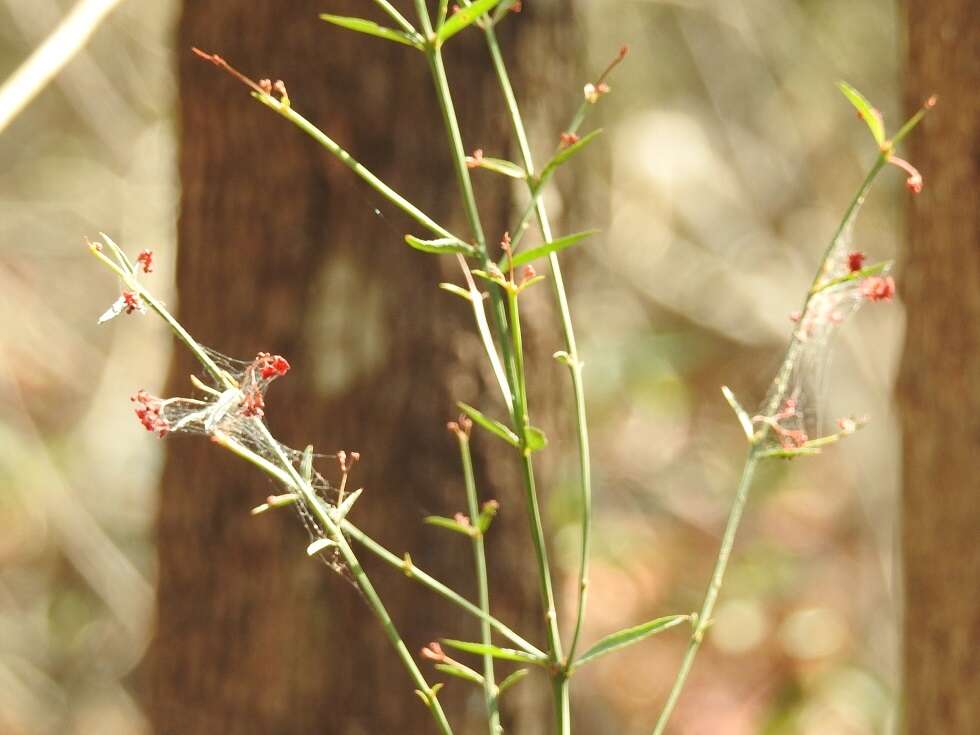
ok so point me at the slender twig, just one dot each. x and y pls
(756, 453)
(512, 355)
(568, 331)
(319, 510)
(411, 570)
(285, 109)
(483, 592)
(703, 620)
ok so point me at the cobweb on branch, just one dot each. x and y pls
(793, 406)
(236, 412)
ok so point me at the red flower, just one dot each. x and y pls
(878, 288)
(149, 410)
(145, 259)
(131, 302)
(270, 366)
(855, 261)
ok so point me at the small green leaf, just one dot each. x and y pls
(554, 246)
(372, 29)
(451, 525)
(494, 427)
(462, 18)
(628, 636)
(565, 153)
(487, 514)
(534, 439)
(461, 672)
(454, 289)
(866, 110)
(743, 417)
(441, 246)
(511, 680)
(500, 166)
(483, 649)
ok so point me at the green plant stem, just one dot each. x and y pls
(483, 591)
(568, 331)
(522, 422)
(757, 452)
(133, 284)
(354, 165)
(410, 569)
(717, 576)
(309, 497)
(512, 353)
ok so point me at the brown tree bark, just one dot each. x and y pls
(938, 388)
(281, 251)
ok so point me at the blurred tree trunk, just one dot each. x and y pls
(938, 383)
(281, 250)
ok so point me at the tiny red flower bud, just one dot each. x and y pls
(567, 139)
(855, 261)
(475, 160)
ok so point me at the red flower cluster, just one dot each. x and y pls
(149, 410)
(131, 302)
(270, 366)
(878, 288)
(145, 259)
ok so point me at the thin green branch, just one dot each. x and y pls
(319, 510)
(480, 562)
(573, 361)
(758, 452)
(717, 576)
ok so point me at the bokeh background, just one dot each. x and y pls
(730, 156)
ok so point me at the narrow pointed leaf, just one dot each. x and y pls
(866, 110)
(743, 417)
(454, 289)
(627, 636)
(371, 28)
(319, 545)
(554, 246)
(484, 649)
(494, 427)
(451, 525)
(464, 17)
(500, 166)
(461, 673)
(344, 508)
(512, 679)
(441, 246)
(565, 153)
